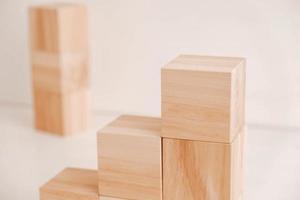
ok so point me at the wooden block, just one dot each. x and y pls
(56, 28)
(203, 98)
(60, 80)
(198, 170)
(129, 156)
(59, 47)
(62, 114)
(73, 184)
(60, 75)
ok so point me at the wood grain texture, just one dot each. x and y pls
(61, 114)
(203, 98)
(196, 170)
(73, 184)
(129, 156)
(60, 67)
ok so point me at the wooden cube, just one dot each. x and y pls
(59, 28)
(62, 114)
(59, 57)
(198, 170)
(73, 184)
(129, 156)
(203, 98)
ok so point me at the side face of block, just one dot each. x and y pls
(71, 184)
(61, 114)
(203, 98)
(44, 35)
(129, 156)
(60, 79)
(197, 170)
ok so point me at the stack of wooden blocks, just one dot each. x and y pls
(59, 56)
(194, 152)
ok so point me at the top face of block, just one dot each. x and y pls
(129, 157)
(204, 63)
(72, 184)
(203, 98)
(58, 28)
(134, 126)
(58, 6)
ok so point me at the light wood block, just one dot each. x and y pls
(203, 98)
(129, 156)
(57, 28)
(59, 47)
(73, 184)
(60, 72)
(198, 170)
(62, 114)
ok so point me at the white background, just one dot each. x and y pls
(130, 40)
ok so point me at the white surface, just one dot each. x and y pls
(28, 158)
(131, 40)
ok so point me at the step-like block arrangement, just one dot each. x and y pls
(129, 156)
(202, 170)
(59, 57)
(195, 152)
(73, 184)
(203, 98)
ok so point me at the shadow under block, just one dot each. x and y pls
(59, 57)
(129, 156)
(196, 170)
(203, 98)
(73, 184)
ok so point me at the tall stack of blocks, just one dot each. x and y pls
(203, 105)
(59, 56)
(194, 152)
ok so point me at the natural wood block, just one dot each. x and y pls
(59, 47)
(60, 80)
(62, 114)
(129, 156)
(203, 98)
(60, 74)
(73, 184)
(56, 28)
(198, 170)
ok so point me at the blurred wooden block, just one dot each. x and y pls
(62, 114)
(59, 47)
(59, 56)
(129, 156)
(61, 78)
(198, 170)
(203, 98)
(58, 28)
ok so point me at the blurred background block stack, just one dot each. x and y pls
(59, 57)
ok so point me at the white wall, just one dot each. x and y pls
(131, 40)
